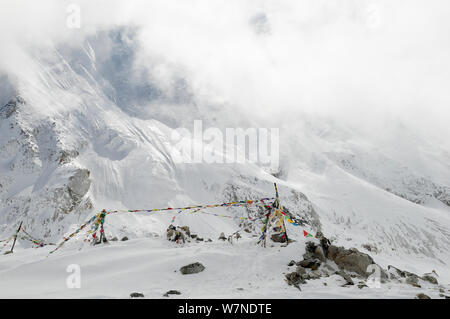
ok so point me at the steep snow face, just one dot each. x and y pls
(368, 196)
(85, 137)
(422, 185)
(38, 183)
(69, 150)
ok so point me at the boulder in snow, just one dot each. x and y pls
(294, 279)
(172, 292)
(350, 259)
(347, 278)
(430, 279)
(192, 268)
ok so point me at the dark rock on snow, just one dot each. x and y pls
(346, 263)
(294, 279)
(177, 234)
(136, 295)
(192, 268)
(278, 238)
(172, 292)
(346, 277)
(350, 259)
(361, 285)
(300, 270)
(346, 259)
(319, 253)
(309, 263)
(395, 272)
(430, 279)
(413, 280)
(186, 230)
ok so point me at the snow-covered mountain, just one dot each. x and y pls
(87, 131)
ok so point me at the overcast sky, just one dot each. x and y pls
(349, 59)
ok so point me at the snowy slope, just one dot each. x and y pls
(76, 138)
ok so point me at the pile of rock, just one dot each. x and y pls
(181, 234)
(233, 237)
(411, 278)
(322, 259)
(222, 237)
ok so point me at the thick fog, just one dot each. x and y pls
(364, 63)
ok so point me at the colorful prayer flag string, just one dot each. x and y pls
(100, 217)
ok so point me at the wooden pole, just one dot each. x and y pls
(280, 207)
(267, 227)
(285, 232)
(277, 200)
(263, 238)
(15, 238)
(269, 215)
(102, 234)
(102, 230)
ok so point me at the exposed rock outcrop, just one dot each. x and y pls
(79, 182)
(411, 278)
(350, 259)
(324, 259)
(430, 279)
(37, 150)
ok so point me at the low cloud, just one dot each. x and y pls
(363, 63)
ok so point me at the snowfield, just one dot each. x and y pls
(151, 267)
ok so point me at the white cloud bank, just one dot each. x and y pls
(360, 61)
